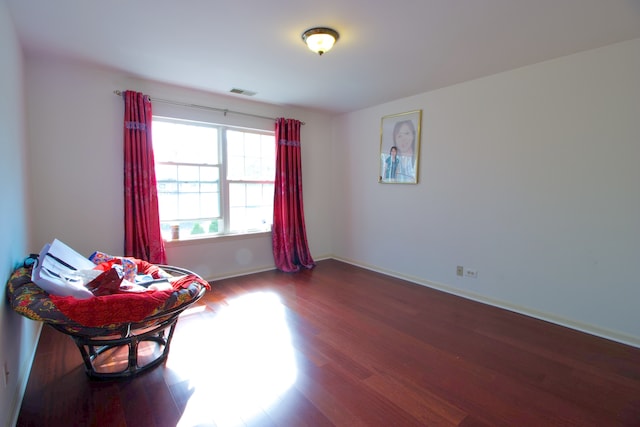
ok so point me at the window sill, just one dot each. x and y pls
(212, 239)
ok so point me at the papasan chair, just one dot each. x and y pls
(105, 326)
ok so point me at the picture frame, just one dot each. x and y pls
(400, 148)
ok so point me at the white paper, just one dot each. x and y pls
(57, 279)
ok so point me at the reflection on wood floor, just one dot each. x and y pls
(343, 346)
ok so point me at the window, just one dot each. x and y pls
(213, 179)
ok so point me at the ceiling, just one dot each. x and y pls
(387, 49)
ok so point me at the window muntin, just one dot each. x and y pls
(213, 179)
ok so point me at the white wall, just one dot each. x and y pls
(18, 335)
(75, 135)
(529, 176)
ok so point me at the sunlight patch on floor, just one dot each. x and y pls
(194, 309)
(248, 345)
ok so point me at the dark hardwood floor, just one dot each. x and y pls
(343, 346)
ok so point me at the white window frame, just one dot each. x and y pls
(224, 182)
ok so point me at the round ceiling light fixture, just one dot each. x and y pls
(320, 39)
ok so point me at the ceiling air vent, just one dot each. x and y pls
(242, 92)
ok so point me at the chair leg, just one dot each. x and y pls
(133, 355)
(87, 358)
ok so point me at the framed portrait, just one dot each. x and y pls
(400, 148)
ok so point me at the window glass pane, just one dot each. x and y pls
(168, 203)
(216, 226)
(188, 187)
(209, 206)
(267, 215)
(166, 172)
(197, 143)
(237, 195)
(197, 228)
(167, 187)
(254, 195)
(165, 230)
(268, 156)
(210, 174)
(237, 219)
(251, 156)
(188, 173)
(209, 187)
(252, 168)
(251, 206)
(252, 146)
(235, 143)
(189, 206)
(235, 167)
(252, 218)
(267, 195)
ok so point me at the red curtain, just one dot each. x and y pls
(289, 234)
(142, 236)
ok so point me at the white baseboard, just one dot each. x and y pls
(256, 270)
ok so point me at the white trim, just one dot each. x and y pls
(210, 239)
(258, 270)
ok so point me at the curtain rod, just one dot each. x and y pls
(204, 107)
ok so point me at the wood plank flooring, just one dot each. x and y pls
(343, 346)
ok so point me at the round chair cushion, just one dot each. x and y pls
(103, 315)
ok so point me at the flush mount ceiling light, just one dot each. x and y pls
(320, 39)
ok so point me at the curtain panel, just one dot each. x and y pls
(142, 235)
(289, 234)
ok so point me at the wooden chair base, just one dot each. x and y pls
(102, 356)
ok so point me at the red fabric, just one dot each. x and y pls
(110, 309)
(147, 268)
(185, 281)
(289, 234)
(107, 265)
(107, 283)
(144, 267)
(120, 307)
(142, 236)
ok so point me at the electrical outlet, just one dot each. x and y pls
(470, 273)
(459, 271)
